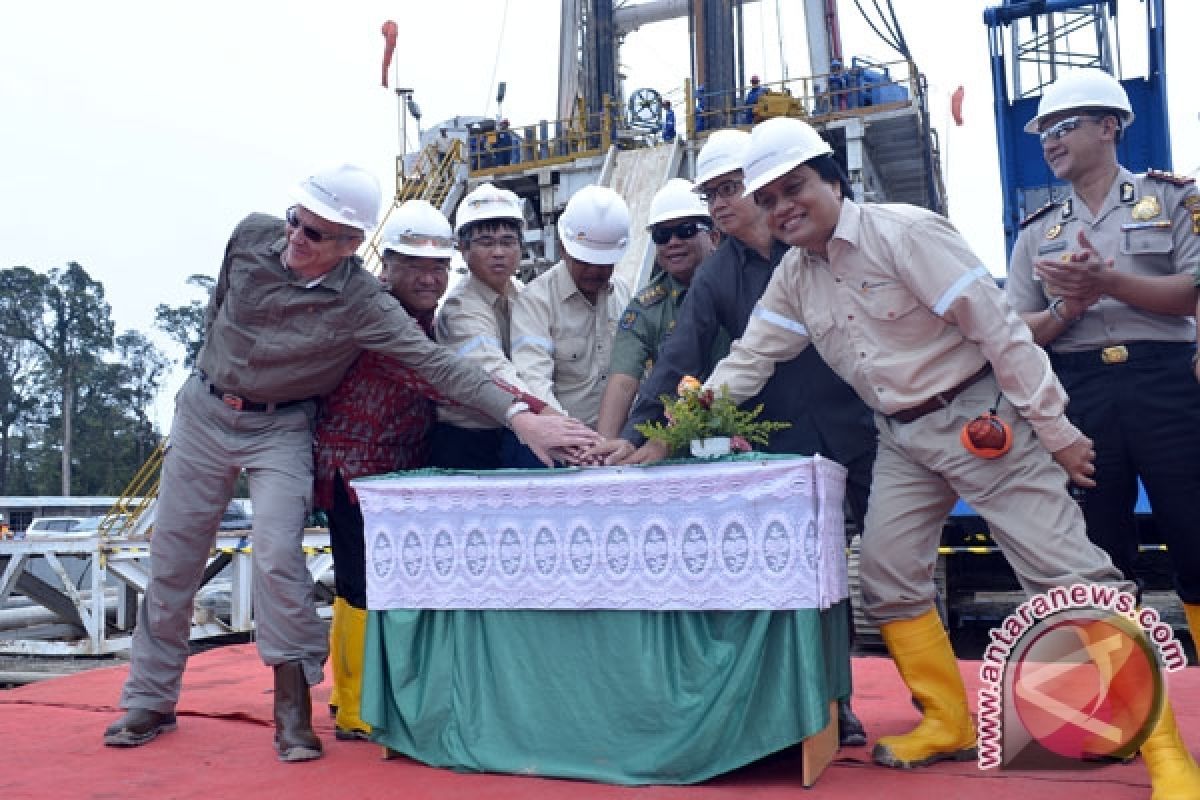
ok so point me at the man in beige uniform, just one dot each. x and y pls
(291, 311)
(474, 321)
(1119, 324)
(898, 305)
(564, 321)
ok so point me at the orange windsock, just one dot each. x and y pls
(390, 32)
(956, 106)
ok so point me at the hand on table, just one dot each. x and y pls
(546, 434)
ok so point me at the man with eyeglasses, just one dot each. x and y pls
(291, 310)
(1105, 279)
(475, 321)
(683, 237)
(827, 416)
(377, 420)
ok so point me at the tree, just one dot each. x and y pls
(185, 324)
(63, 315)
(18, 399)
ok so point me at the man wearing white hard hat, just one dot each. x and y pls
(966, 405)
(475, 322)
(564, 321)
(827, 416)
(291, 310)
(683, 237)
(1117, 318)
(377, 420)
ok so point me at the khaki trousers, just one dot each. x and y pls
(920, 470)
(210, 445)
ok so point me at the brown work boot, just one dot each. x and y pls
(294, 737)
(138, 726)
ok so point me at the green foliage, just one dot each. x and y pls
(701, 414)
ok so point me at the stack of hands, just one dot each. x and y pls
(557, 439)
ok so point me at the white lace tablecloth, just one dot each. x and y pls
(728, 535)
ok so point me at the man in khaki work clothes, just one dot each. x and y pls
(898, 305)
(1119, 325)
(291, 310)
(564, 321)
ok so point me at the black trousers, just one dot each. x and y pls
(346, 541)
(1144, 417)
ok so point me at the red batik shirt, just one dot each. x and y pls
(377, 420)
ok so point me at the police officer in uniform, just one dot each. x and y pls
(1105, 281)
(683, 237)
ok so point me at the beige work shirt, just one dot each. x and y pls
(902, 310)
(272, 337)
(1147, 226)
(562, 343)
(474, 322)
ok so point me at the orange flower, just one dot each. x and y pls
(687, 384)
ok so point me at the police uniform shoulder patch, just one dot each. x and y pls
(1170, 177)
(1041, 212)
(652, 294)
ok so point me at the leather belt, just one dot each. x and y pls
(1120, 353)
(239, 403)
(939, 400)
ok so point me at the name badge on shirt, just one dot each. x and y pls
(1051, 247)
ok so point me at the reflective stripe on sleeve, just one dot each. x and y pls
(779, 320)
(957, 288)
(477, 342)
(533, 341)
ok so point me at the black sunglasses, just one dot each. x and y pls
(312, 234)
(685, 230)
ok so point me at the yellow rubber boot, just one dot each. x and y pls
(335, 653)
(1173, 773)
(353, 632)
(922, 652)
(1193, 618)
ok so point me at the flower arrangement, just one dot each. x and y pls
(698, 413)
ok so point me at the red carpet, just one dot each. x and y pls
(50, 733)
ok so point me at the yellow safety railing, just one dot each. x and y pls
(545, 143)
(137, 496)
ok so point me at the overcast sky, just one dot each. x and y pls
(134, 135)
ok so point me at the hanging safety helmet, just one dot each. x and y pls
(346, 195)
(1083, 88)
(418, 229)
(721, 154)
(594, 227)
(488, 202)
(677, 199)
(778, 146)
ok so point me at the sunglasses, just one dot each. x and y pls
(1060, 129)
(312, 234)
(685, 230)
(724, 189)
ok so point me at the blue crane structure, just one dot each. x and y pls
(1031, 43)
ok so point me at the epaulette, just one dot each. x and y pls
(1170, 177)
(1041, 212)
(652, 294)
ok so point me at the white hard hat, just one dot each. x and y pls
(346, 194)
(488, 202)
(594, 227)
(1083, 88)
(418, 229)
(778, 146)
(721, 154)
(676, 200)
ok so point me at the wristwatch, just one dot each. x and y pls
(1054, 312)
(516, 408)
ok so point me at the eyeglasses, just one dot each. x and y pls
(685, 230)
(488, 242)
(723, 189)
(314, 235)
(1061, 128)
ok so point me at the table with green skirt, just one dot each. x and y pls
(630, 625)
